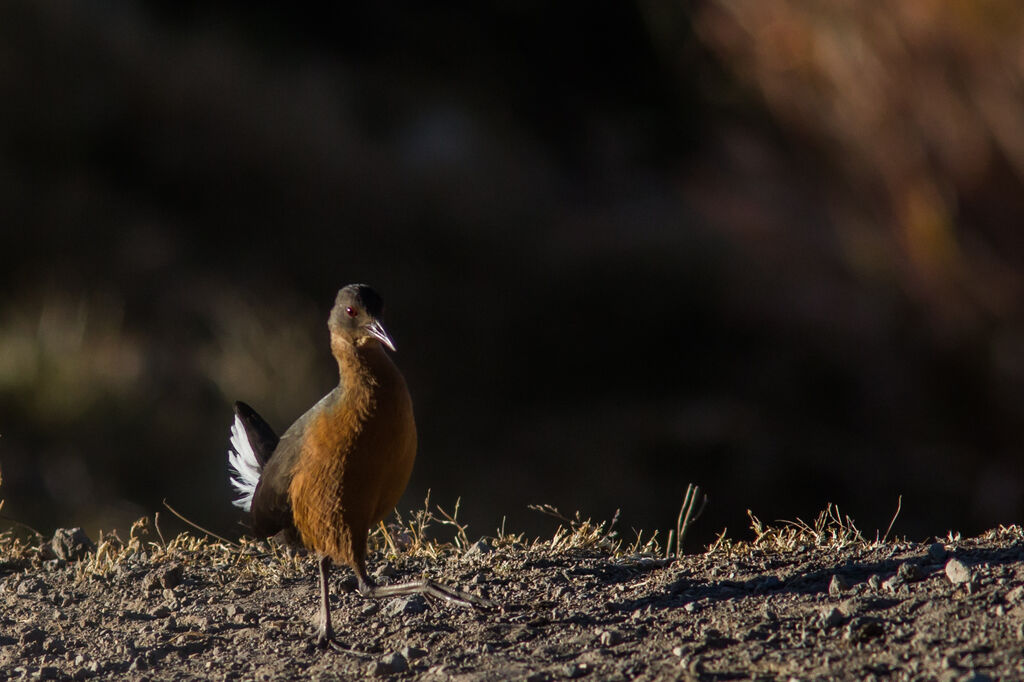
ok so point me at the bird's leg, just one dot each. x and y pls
(427, 588)
(325, 633)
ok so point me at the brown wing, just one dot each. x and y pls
(271, 507)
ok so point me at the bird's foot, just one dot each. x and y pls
(428, 588)
(456, 596)
(325, 640)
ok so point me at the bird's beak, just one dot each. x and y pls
(376, 330)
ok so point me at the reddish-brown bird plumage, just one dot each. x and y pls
(356, 459)
(344, 464)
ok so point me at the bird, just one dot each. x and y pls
(343, 465)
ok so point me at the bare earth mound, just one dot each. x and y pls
(798, 602)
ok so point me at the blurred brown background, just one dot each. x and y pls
(771, 248)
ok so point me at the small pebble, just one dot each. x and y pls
(610, 637)
(389, 665)
(407, 606)
(384, 571)
(957, 571)
(411, 652)
(831, 617)
(479, 548)
(837, 585)
(32, 635)
(71, 544)
(893, 583)
(574, 670)
(909, 572)
(977, 677)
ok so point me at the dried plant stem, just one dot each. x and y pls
(899, 505)
(693, 506)
(198, 527)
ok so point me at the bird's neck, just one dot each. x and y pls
(360, 365)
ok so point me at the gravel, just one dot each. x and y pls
(195, 611)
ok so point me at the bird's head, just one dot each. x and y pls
(356, 316)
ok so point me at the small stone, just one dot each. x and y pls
(369, 609)
(829, 618)
(957, 571)
(411, 652)
(71, 544)
(892, 584)
(52, 645)
(909, 572)
(232, 610)
(874, 582)
(407, 606)
(1015, 595)
(837, 585)
(384, 571)
(937, 551)
(32, 635)
(388, 665)
(610, 637)
(30, 585)
(170, 575)
(977, 677)
(478, 548)
(691, 607)
(863, 629)
(574, 670)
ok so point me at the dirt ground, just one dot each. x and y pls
(796, 603)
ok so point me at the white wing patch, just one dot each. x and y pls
(245, 469)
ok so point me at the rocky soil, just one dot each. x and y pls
(792, 604)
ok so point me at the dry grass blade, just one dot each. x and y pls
(693, 506)
(197, 526)
(899, 505)
(581, 533)
(461, 539)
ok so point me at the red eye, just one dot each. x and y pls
(351, 312)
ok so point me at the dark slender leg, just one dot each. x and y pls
(427, 588)
(325, 634)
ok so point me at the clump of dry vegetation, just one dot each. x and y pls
(433, 533)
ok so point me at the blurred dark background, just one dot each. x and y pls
(771, 248)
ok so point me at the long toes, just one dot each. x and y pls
(326, 641)
(335, 646)
(457, 596)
